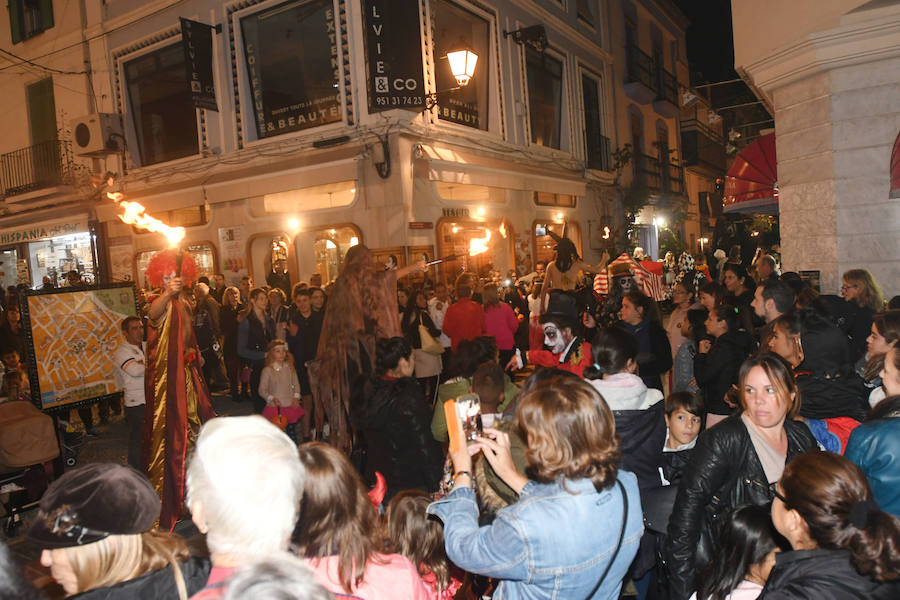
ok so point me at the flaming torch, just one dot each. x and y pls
(479, 245)
(133, 213)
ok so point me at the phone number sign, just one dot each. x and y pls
(394, 55)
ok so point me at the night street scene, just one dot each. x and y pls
(450, 299)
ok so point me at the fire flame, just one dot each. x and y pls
(134, 214)
(503, 230)
(479, 245)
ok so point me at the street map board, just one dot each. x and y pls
(71, 336)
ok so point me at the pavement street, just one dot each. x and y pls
(109, 446)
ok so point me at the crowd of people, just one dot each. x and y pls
(739, 440)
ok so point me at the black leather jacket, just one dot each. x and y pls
(822, 574)
(396, 424)
(724, 472)
(155, 585)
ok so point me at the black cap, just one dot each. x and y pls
(92, 502)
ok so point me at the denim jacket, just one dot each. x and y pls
(555, 542)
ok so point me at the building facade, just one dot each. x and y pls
(830, 73)
(300, 150)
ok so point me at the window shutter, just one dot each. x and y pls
(15, 20)
(46, 14)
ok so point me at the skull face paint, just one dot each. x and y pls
(626, 283)
(554, 338)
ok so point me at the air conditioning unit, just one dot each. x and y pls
(97, 134)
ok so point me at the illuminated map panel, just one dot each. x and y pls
(72, 336)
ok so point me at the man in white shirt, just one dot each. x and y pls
(130, 363)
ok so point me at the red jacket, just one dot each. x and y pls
(464, 321)
(578, 358)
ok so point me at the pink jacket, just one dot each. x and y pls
(387, 577)
(500, 321)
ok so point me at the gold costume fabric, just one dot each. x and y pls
(178, 404)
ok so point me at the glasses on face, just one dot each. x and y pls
(778, 494)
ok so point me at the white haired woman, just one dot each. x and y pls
(244, 484)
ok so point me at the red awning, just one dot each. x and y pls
(751, 184)
(895, 169)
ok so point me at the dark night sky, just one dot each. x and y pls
(709, 41)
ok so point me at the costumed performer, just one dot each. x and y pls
(567, 350)
(362, 307)
(562, 272)
(177, 397)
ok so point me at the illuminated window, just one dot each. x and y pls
(458, 236)
(331, 246)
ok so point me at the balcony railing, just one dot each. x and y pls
(702, 146)
(640, 67)
(643, 69)
(657, 175)
(599, 153)
(35, 167)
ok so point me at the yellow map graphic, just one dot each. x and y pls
(75, 335)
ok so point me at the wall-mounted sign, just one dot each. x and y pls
(196, 38)
(44, 231)
(421, 225)
(456, 212)
(394, 55)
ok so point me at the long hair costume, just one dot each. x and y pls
(177, 398)
(362, 307)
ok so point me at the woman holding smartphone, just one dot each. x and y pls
(539, 545)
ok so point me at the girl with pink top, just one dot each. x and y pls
(280, 387)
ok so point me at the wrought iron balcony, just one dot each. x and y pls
(35, 167)
(659, 176)
(702, 147)
(646, 80)
(599, 153)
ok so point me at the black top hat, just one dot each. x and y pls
(562, 306)
(92, 502)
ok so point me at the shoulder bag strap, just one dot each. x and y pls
(618, 543)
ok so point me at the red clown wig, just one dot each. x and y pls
(165, 262)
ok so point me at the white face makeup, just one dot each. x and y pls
(626, 283)
(554, 338)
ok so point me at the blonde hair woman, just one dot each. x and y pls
(94, 526)
(865, 297)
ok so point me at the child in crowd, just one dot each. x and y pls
(15, 384)
(694, 330)
(280, 387)
(745, 551)
(684, 419)
(412, 534)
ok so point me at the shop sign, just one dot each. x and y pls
(292, 57)
(456, 212)
(421, 225)
(196, 40)
(40, 232)
(394, 55)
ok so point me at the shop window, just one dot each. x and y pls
(203, 253)
(544, 74)
(9, 275)
(544, 242)
(548, 199)
(452, 28)
(165, 120)
(293, 75)
(457, 237)
(27, 18)
(59, 255)
(331, 246)
(331, 195)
